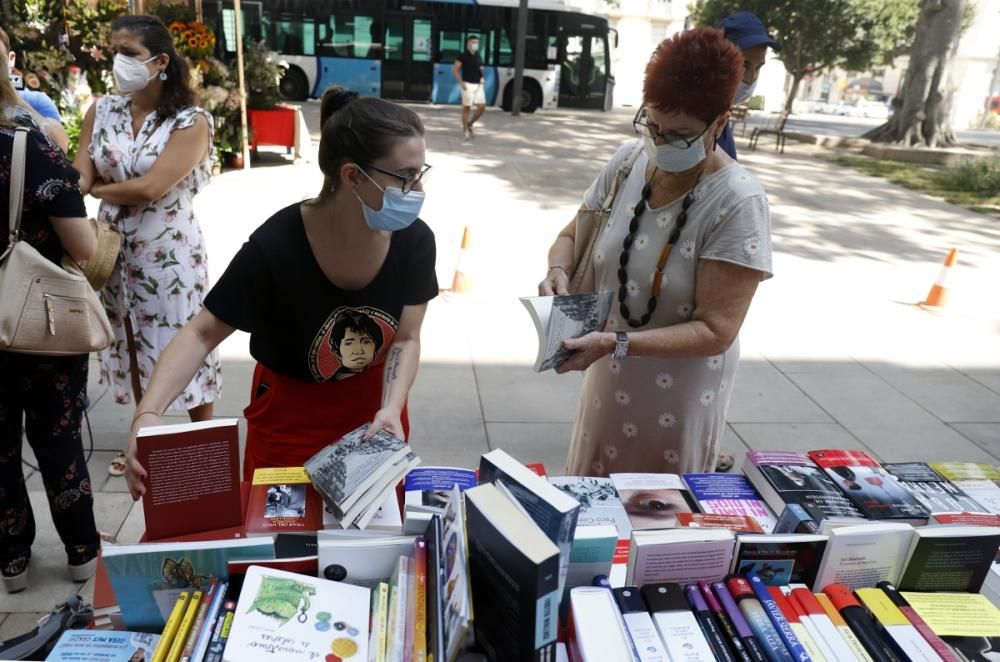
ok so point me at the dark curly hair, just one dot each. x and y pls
(177, 92)
(360, 129)
(694, 72)
(360, 324)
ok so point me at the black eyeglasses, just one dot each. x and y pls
(680, 142)
(409, 181)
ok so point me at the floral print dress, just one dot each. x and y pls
(647, 414)
(163, 275)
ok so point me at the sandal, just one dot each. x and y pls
(724, 463)
(117, 466)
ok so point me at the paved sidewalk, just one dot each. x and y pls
(834, 353)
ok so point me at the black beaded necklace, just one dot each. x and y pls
(633, 227)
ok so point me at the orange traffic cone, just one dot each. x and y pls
(938, 296)
(462, 284)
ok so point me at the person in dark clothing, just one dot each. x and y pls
(43, 396)
(468, 71)
(746, 31)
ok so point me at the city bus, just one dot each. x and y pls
(405, 49)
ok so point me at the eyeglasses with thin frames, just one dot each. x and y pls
(680, 142)
(409, 181)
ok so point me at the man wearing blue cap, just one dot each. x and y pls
(746, 31)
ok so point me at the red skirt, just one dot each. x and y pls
(288, 421)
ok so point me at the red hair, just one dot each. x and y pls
(694, 72)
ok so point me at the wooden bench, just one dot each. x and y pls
(774, 127)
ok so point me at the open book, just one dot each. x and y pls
(562, 317)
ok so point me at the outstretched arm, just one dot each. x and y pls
(399, 372)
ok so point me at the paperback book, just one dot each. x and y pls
(103, 646)
(683, 556)
(864, 555)
(730, 494)
(950, 558)
(283, 501)
(780, 560)
(934, 491)
(792, 478)
(872, 490)
(430, 487)
(980, 481)
(652, 501)
(562, 317)
(599, 506)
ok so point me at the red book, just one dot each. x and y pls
(737, 523)
(975, 519)
(193, 477)
(283, 501)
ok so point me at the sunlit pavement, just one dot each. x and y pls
(834, 353)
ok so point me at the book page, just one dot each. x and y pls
(572, 316)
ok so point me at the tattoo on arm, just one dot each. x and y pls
(391, 371)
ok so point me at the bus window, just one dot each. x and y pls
(363, 26)
(450, 45)
(295, 35)
(251, 27)
(506, 56)
(599, 73)
(347, 36)
(393, 49)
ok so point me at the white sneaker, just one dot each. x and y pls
(16, 583)
(84, 571)
(472, 134)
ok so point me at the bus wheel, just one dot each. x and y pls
(531, 96)
(293, 85)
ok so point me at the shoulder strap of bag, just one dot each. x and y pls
(17, 159)
(622, 174)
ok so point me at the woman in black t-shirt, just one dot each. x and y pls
(43, 396)
(330, 290)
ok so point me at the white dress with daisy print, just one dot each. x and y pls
(162, 274)
(665, 415)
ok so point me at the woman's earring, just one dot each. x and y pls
(163, 75)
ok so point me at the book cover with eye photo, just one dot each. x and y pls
(283, 500)
(563, 317)
(653, 501)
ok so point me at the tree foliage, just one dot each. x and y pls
(818, 35)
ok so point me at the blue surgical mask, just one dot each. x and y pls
(674, 158)
(398, 211)
(744, 92)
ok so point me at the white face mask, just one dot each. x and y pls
(473, 47)
(131, 74)
(744, 92)
(675, 157)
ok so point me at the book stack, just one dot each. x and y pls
(355, 476)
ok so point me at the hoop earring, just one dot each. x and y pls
(163, 75)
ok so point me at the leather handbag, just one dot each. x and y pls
(45, 308)
(589, 225)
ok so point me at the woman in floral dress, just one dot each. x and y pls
(146, 154)
(687, 242)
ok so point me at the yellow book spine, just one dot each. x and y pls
(180, 638)
(170, 629)
(881, 607)
(383, 622)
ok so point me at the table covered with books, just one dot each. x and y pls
(363, 554)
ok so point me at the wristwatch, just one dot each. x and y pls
(621, 346)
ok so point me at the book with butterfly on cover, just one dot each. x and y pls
(147, 578)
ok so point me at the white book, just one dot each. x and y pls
(679, 630)
(683, 556)
(864, 555)
(283, 615)
(599, 630)
(896, 626)
(360, 557)
(559, 318)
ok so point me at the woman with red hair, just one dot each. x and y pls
(687, 241)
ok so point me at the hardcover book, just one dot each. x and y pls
(730, 494)
(792, 478)
(950, 558)
(934, 491)
(176, 502)
(559, 318)
(980, 481)
(870, 487)
(281, 615)
(514, 573)
(283, 501)
(653, 501)
(780, 560)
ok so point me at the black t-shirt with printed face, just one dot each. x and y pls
(303, 326)
(472, 67)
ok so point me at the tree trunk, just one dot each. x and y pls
(797, 79)
(924, 115)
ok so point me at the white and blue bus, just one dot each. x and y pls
(405, 49)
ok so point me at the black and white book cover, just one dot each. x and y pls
(562, 317)
(343, 468)
(934, 491)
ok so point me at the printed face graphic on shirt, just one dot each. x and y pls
(349, 342)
